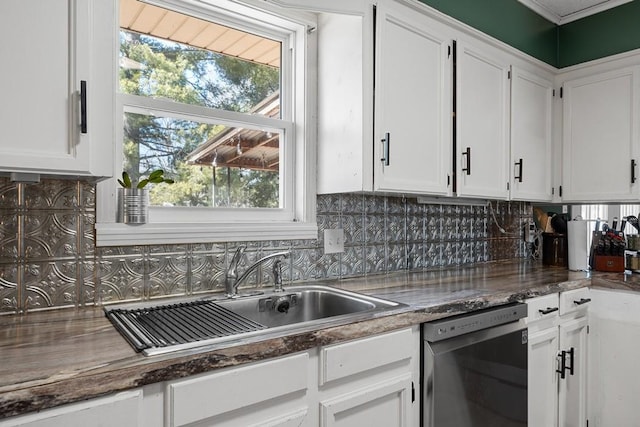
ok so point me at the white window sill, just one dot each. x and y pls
(117, 234)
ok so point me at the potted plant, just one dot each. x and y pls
(133, 200)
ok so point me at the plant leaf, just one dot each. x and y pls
(121, 183)
(126, 180)
(142, 183)
(169, 181)
(156, 174)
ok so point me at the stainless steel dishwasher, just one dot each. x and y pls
(475, 369)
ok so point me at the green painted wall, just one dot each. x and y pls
(606, 33)
(508, 21)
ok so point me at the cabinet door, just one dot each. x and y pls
(413, 103)
(60, 45)
(531, 98)
(121, 409)
(384, 404)
(543, 378)
(482, 124)
(572, 406)
(600, 137)
(274, 390)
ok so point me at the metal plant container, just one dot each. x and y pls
(133, 205)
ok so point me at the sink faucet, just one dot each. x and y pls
(232, 280)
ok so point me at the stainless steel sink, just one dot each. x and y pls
(213, 322)
(303, 304)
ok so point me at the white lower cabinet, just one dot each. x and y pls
(270, 393)
(387, 403)
(365, 382)
(614, 346)
(120, 409)
(558, 327)
(371, 382)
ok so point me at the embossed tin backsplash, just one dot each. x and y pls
(48, 257)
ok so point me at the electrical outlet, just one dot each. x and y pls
(333, 241)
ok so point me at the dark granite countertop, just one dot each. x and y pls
(62, 356)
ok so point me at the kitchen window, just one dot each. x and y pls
(219, 97)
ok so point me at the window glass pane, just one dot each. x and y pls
(212, 165)
(165, 54)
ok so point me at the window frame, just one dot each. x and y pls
(296, 218)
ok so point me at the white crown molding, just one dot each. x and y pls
(579, 14)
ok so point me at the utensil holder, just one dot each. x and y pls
(133, 205)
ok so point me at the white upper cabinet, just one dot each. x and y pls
(412, 103)
(412, 76)
(600, 137)
(58, 108)
(345, 102)
(482, 123)
(386, 95)
(531, 112)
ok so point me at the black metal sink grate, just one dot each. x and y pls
(175, 324)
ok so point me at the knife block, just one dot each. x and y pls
(609, 263)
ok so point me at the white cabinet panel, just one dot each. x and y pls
(600, 121)
(342, 360)
(221, 393)
(386, 404)
(543, 379)
(413, 103)
(482, 124)
(121, 409)
(575, 302)
(614, 345)
(345, 102)
(294, 419)
(573, 388)
(557, 388)
(61, 44)
(531, 111)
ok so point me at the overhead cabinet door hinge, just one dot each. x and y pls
(560, 92)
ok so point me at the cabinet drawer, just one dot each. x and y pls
(209, 395)
(121, 409)
(575, 301)
(543, 308)
(342, 360)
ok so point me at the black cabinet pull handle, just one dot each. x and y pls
(548, 310)
(633, 171)
(386, 141)
(83, 106)
(582, 301)
(563, 364)
(467, 153)
(571, 360)
(519, 176)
